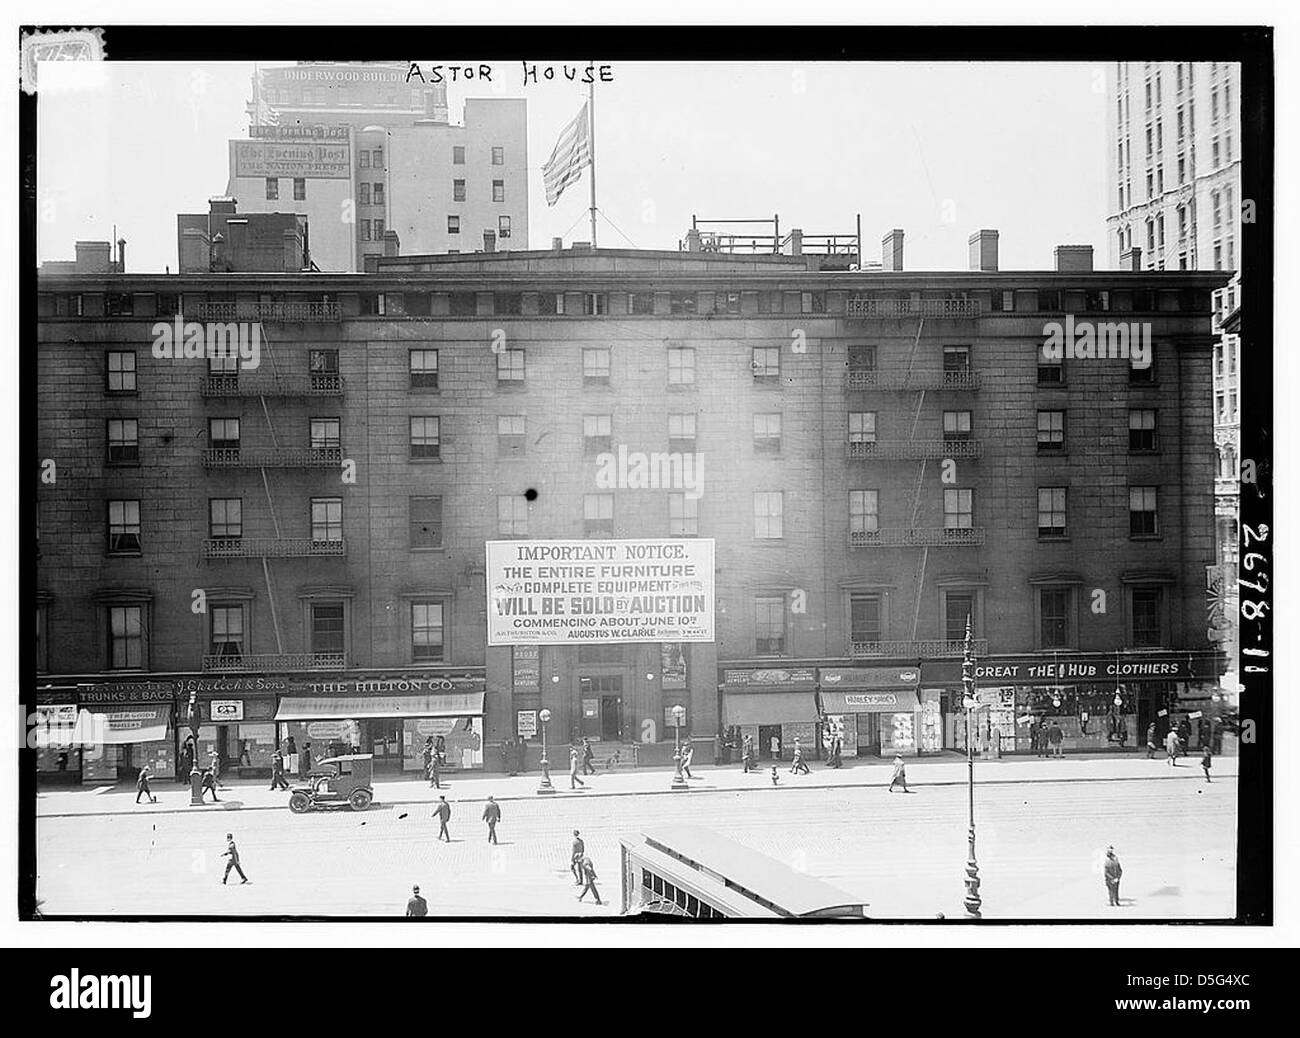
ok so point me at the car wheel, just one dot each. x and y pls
(300, 803)
(360, 799)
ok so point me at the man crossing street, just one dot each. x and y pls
(278, 781)
(492, 815)
(443, 813)
(232, 852)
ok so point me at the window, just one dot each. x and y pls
(1050, 372)
(223, 434)
(458, 190)
(767, 432)
(299, 189)
(328, 628)
(1051, 432)
(681, 365)
(225, 518)
(1143, 376)
(766, 362)
(813, 302)
(379, 229)
(365, 230)
(1051, 512)
(503, 227)
(1054, 618)
(462, 304)
(1148, 626)
(327, 519)
(123, 441)
(958, 509)
(866, 618)
(683, 515)
(681, 432)
(453, 225)
(510, 366)
(121, 371)
(862, 358)
(595, 365)
(363, 160)
(1141, 430)
(126, 637)
(510, 433)
(498, 155)
(598, 515)
(956, 425)
(864, 515)
(272, 189)
(512, 515)
(73, 305)
(426, 632)
(323, 362)
(550, 303)
(862, 427)
(1142, 519)
(458, 155)
(498, 190)
(726, 303)
(640, 303)
(958, 606)
(325, 434)
(683, 302)
(424, 515)
(424, 369)
(226, 633)
(595, 304)
(1008, 300)
(509, 304)
(377, 158)
(769, 509)
(597, 430)
(956, 365)
(379, 196)
(769, 625)
(124, 527)
(425, 445)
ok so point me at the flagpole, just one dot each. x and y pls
(591, 144)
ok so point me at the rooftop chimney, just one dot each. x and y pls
(1131, 259)
(94, 257)
(1074, 257)
(891, 250)
(984, 250)
(222, 205)
(121, 256)
(557, 244)
(796, 242)
(489, 241)
(392, 244)
(693, 240)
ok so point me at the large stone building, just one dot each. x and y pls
(877, 454)
(364, 152)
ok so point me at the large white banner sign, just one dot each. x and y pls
(570, 592)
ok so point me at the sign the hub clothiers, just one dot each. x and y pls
(582, 592)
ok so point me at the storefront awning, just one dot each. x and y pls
(316, 708)
(768, 708)
(892, 701)
(119, 725)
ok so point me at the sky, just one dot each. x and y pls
(940, 150)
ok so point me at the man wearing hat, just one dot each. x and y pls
(492, 815)
(575, 858)
(900, 775)
(232, 852)
(417, 907)
(1113, 872)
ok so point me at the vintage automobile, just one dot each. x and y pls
(336, 781)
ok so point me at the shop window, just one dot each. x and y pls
(683, 515)
(427, 632)
(124, 527)
(127, 637)
(328, 628)
(425, 518)
(424, 369)
(769, 515)
(769, 625)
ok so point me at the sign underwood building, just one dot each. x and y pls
(584, 592)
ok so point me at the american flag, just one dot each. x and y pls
(259, 109)
(572, 152)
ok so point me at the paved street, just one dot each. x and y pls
(1040, 843)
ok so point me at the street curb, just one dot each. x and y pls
(573, 795)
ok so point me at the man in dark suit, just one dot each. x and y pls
(492, 815)
(575, 858)
(443, 813)
(417, 907)
(278, 781)
(1113, 874)
(232, 852)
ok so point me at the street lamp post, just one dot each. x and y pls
(679, 782)
(972, 900)
(546, 786)
(195, 776)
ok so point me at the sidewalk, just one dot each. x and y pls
(254, 794)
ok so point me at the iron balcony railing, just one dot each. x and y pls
(273, 458)
(899, 537)
(901, 449)
(293, 313)
(928, 649)
(937, 380)
(232, 385)
(271, 547)
(275, 661)
(900, 308)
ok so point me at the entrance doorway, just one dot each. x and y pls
(769, 742)
(602, 707)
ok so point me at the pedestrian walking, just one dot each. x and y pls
(426, 754)
(747, 755)
(899, 776)
(434, 782)
(185, 765)
(142, 786)
(576, 853)
(417, 907)
(440, 750)
(209, 784)
(232, 852)
(1151, 740)
(798, 766)
(1171, 747)
(688, 755)
(492, 815)
(1113, 872)
(1205, 762)
(588, 756)
(443, 813)
(574, 781)
(304, 761)
(1056, 737)
(214, 763)
(589, 879)
(278, 781)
